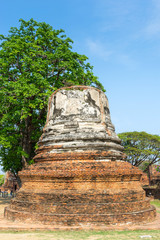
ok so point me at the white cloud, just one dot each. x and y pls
(112, 14)
(153, 26)
(98, 49)
(126, 60)
(113, 8)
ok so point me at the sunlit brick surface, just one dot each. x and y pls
(80, 176)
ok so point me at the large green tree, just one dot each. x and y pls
(35, 60)
(142, 149)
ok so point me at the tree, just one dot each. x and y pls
(142, 149)
(35, 60)
(1, 180)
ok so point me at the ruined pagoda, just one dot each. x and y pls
(80, 176)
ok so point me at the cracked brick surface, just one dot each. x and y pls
(80, 175)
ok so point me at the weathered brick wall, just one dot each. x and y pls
(144, 179)
(10, 183)
(155, 174)
(80, 176)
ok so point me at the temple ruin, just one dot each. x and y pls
(80, 176)
(10, 183)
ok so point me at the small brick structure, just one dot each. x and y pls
(10, 183)
(144, 179)
(153, 190)
(80, 176)
(155, 174)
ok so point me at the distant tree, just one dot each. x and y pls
(142, 149)
(35, 60)
(1, 179)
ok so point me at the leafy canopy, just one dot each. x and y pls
(1, 179)
(35, 60)
(142, 149)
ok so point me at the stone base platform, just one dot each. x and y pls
(9, 225)
(82, 219)
(74, 195)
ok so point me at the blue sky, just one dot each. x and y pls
(121, 39)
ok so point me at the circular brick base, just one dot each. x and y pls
(106, 192)
(78, 219)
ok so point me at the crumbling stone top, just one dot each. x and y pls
(78, 121)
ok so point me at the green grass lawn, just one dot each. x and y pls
(82, 235)
(156, 203)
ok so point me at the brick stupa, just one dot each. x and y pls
(80, 176)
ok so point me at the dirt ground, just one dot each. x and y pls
(9, 225)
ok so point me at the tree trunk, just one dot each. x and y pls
(26, 143)
(19, 182)
(149, 174)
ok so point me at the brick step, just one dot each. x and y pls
(78, 219)
(78, 197)
(79, 208)
(101, 170)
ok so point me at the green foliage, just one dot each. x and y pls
(1, 179)
(35, 60)
(142, 149)
(144, 165)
